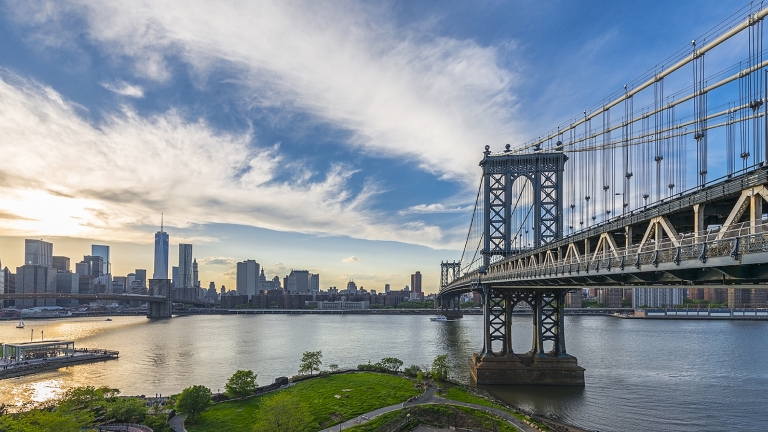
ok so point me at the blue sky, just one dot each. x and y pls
(339, 137)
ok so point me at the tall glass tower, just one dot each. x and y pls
(161, 254)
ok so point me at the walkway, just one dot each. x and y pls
(429, 397)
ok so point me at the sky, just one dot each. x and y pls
(337, 137)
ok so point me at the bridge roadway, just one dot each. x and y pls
(650, 247)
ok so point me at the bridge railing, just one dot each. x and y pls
(735, 242)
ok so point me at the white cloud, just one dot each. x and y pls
(62, 175)
(434, 208)
(218, 261)
(436, 100)
(352, 259)
(125, 89)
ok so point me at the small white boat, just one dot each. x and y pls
(21, 323)
(440, 318)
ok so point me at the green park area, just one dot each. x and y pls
(308, 405)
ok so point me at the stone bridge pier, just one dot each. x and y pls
(159, 309)
(499, 364)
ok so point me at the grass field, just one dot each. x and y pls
(435, 415)
(322, 401)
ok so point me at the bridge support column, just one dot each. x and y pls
(536, 367)
(160, 309)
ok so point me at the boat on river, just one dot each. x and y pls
(439, 318)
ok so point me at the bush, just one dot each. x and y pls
(412, 371)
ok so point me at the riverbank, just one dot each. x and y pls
(697, 314)
(351, 399)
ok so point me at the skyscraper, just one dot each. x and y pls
(61, 263)
(103, 252)
(314, 283)
(185, 266)
(161, 254)
(32, 279)
(96, 264)
(141, 277)
(416, 282)
(247, 277)
(38, 252)
(195, 274)
(175, 276)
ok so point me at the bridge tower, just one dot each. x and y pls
(497, 363)
(160, 288)
(450, 307)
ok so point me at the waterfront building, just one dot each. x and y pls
(696, 293)
(716, 295)
(61, 263)
(351, 287)
(610, 297)
(386, 288)
(657, 297)
(314, 283)
(416, 282)
(298, 282)
(573, 299)
(248, 278)
(161, 254)
(185, 266)
(103, 252)
(9, 285)
(266, 285)
(746, 298)
(336, 305)
(32, 279)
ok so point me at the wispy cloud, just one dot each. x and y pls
(218, 261)
(399, 91)
(352, 259)
(106, 179)
(434, 208)
(125, 89)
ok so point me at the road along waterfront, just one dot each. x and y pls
(641, 374)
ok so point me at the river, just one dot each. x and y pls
(657, 375)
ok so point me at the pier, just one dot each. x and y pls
(26, 358)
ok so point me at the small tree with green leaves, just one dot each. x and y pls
(333, 367)
(391, 364)
(440, 367)
(412, 370)
(282, 413)
(241, 383)
(194, 400)
(310, 362)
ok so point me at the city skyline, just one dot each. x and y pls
(357, 137)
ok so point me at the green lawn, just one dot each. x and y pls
(435, 415)
(365, 392)
(461, 395)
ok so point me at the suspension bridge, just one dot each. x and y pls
(659, 185)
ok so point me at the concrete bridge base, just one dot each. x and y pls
(159, 309)
(512, 369)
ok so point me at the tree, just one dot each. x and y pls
(127, 410)
(194, 400)
(412, 370)
(310, 362)
(282, 413)
(391, 364)
(241, 383)
(333, 367)
(440, 367)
